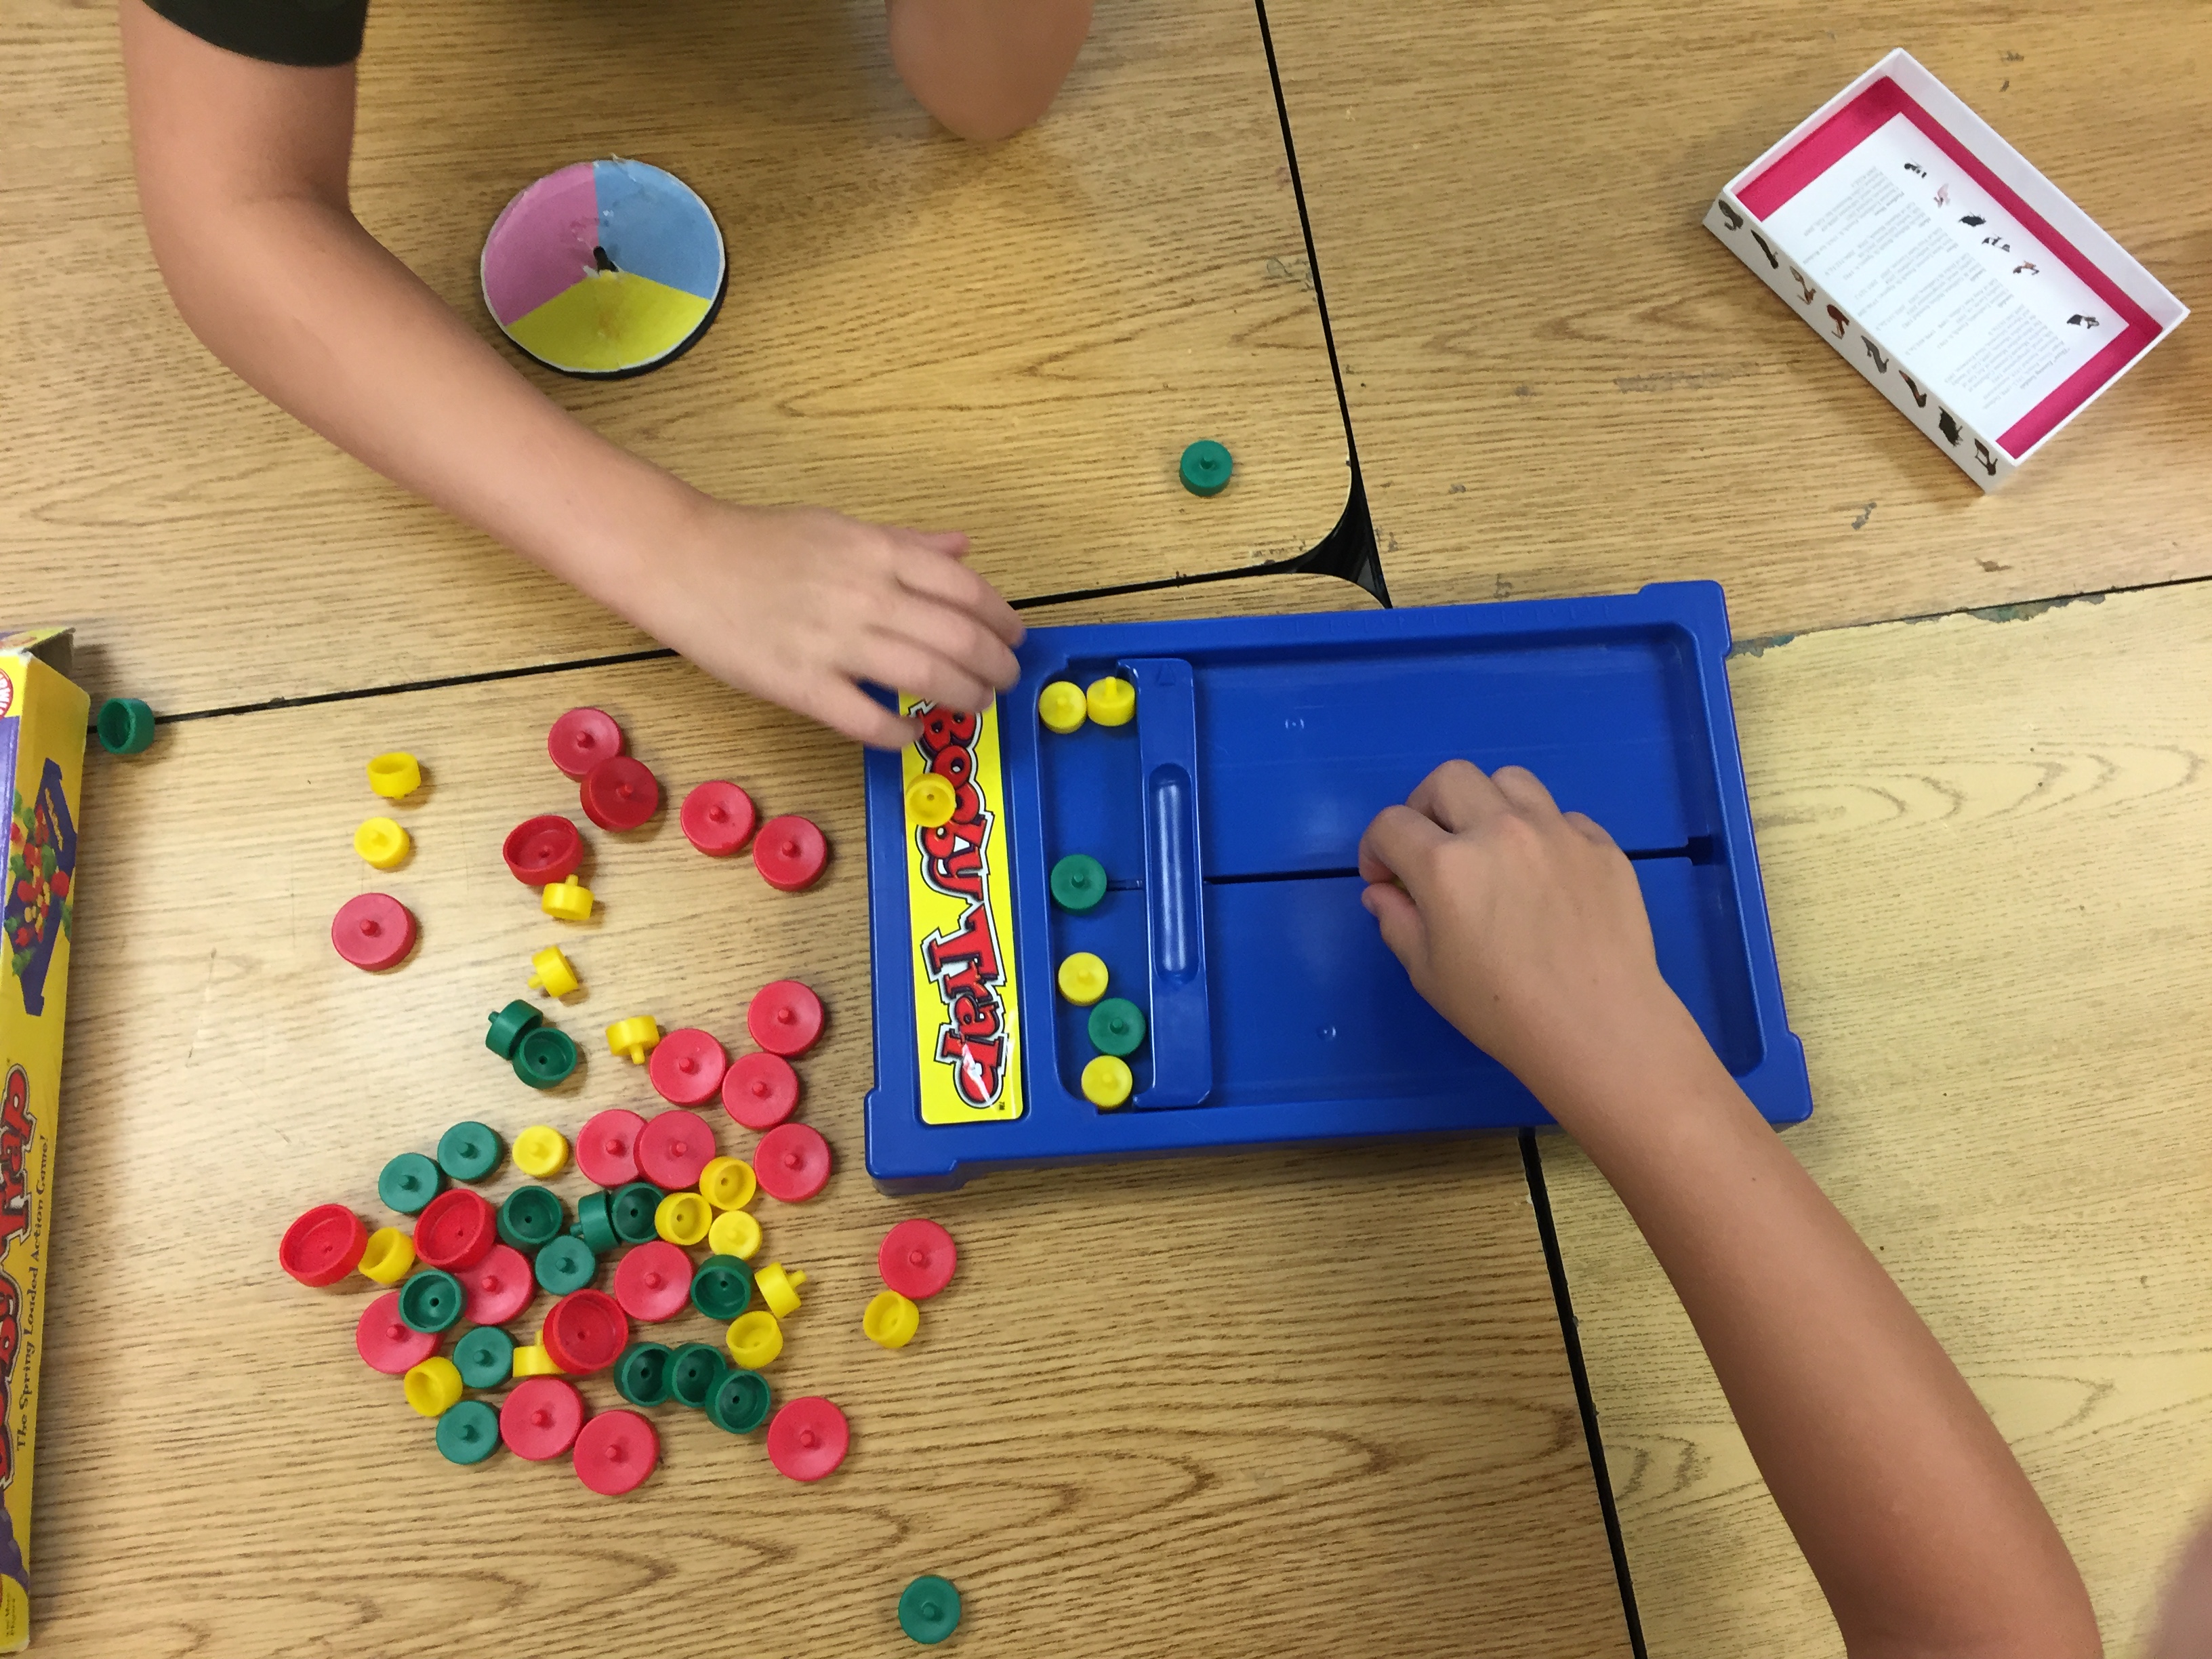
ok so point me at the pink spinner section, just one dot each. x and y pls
(548, 247)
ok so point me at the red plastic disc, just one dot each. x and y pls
(789, 852)
(606, 1147)
(653, 1282)
(585, 1332)
(673, 1148)
(792, 1162)
(759, 1091)
(540, 1417)
(456, 1229)
(387, 1341)
(808, 1438)
(499, 1287)
(615, 1451)
(620, 793)
(373, 931)
(323, 1246)
(916, 1259)
(542, 849)
(687, 1065)
(717, 818)
(581, 738)
(785, 1017)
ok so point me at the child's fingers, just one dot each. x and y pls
(947, 580)
(893, 660)
(1397, 841)
(956, 635)
(1590, 829)
(1524, 789)
(1400, 919)
(1457, 796)
(844, 708)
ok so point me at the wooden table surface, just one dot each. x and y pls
(1561, 383)
(1308, 1402)
(1984, 852)
(1016, 341)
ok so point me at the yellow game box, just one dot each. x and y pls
(43, 720)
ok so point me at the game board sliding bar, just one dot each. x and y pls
(1174, 920)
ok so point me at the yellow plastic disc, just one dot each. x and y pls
(1111, 702)
(550, 972)
(540, 1151)
(727, 1183)
(754, 1339)
(395, 776)
(683, 1218)
(433, 1386)
(1106, 1081)
(734, 1233)
(1083, 979)
(779, 1287)
(569, 899)
(634, 1038)
(930, 801)
(390, 1255)
(530, 1360)
(382, 842)
(1060, 705)
(890, 1320)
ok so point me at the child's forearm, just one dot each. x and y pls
(1925, 1535)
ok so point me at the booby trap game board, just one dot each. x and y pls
(1117, 914)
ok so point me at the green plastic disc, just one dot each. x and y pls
(1117, 1026)
(594, 1225)
(544, 1057)
(127, 726)
(929, 1609)
(1078, 882)
(530, 1217)
(508, 1026)
(485, 1356)
(431, 1301)
(1205, 472)
(642, 1374)
(631, 1211)
(721, 1288)
(695, 1371)
(410, 1181)
(468, 1432)
(469, 1152)
(567, 1264)
(739, 1402)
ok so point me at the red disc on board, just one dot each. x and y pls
(542, 849)
(388, 1342)
(615, 1451)
(499, 1287)
(792, 1162)
(323, 1246)
(620, 793)
(785, 1017)
(673, 1148)
(687, 1065)
(916, 1259)
(581, 738)
(585, 1332)
(373, 931)
(759, 1091)
(456, 1229)
(790, 853)
(606, 1147)
(717, 818)
(808, 1438)
(652, 1281)
(540, 1417)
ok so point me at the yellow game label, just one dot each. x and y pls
(960, 913)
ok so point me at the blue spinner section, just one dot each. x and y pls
(1227, 815)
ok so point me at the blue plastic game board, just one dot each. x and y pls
(1227, 814)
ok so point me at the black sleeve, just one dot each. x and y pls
(311, 33)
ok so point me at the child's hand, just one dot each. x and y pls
(798, 604)
(1523, 925)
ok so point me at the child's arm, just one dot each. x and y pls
(1526, 928)
(242, 173)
